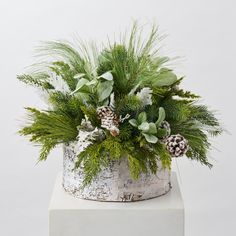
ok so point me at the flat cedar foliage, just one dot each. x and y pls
(70, 77)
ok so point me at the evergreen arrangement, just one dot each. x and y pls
(118, 102)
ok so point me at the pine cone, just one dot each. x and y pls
(109, 120)
(177, 145)
(165, 125)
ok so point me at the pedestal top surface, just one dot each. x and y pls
(61, 200)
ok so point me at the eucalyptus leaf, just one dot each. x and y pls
(92, 82)
(144, 126)
(152, 128)
(79, 75)
(142, 117)
(133, 122)
(161, 116)
(150, 138)
(165, 78)
(105, 102)
(85, 89)
(79, 85)
(104, 90)
(107, 76)
(83, 97)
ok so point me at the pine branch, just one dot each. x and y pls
(64, 71)
(70, 105)
(79, 57)
(197, 141)
(65, 51)
(135, 166)
(163, 155)
(47, 146)
(91, 113)
(36, 79)
(49, 129)
(92, 162)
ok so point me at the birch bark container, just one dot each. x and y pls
(114, 182)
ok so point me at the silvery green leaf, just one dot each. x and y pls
(144, 126)
(161, 116)
(79, 85)
(107, 76)
(105, 102)
(75, 91)
(165, 78)
(79, 75)
(104, 90)
(152, 128)
(83, 97)
(92, 82)
(142, 117)
(150, 138)
(133, 122)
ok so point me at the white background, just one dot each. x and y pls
(202, 31)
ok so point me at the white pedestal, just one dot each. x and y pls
(162, 216)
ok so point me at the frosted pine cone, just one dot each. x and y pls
(177, 145)
(165, 125)
(109, 120)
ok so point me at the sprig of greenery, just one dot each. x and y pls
(36, 79)
(49, 129)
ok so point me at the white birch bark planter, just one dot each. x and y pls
(114, 182)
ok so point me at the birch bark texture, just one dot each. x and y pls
(114, 182)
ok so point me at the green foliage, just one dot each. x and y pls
(104, 90)
(113, 147)
(176, 110)
(47, 146)
(165, 78)
(194, 122)
(184, 94)
(161, 116)
(128, 105)
(99, 155)
(93, 160)
(36, 79)
(121, 69)
(64, 71)
(138, 164)
(163, 154)
(66, 52)
(67, 104)
(91, 113)
(150, 130)
(49, 128)
(135, 166)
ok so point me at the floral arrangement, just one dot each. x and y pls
(118, 102)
